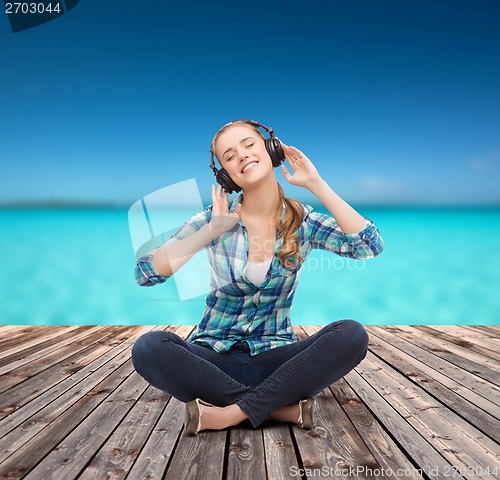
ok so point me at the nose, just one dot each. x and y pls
(243, 155)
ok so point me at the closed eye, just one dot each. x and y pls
(247, 146)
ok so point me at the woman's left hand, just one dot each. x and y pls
(304, 172)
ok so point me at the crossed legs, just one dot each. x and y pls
(281, 376)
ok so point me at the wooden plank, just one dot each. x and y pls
(471, 335)
(116, 434)
(26, 391)
(413, 441)
(246, 454)
(279, 451)
(156, 453)
(454, 378)
(386, 452)
(492, 331)
(184, 331)
(480, 365)
(29, 455)
(20, 338)
(198, 457)
(489, 392)
(460, 399)
(9, 328)
(17, 336)
(46, 408)
(46, 336)
(24, 458)
(122, 448)
(71, 455)
(159, 447)
(468, 345)
(52, 361)
(334, 441)
(17, 360)
(458, 441)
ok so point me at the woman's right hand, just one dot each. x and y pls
(222, 220)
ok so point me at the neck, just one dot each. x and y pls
(261, 201)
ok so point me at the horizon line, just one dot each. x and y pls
(65, 203)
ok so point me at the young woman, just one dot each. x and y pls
(243, 361)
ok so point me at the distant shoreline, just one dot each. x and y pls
(55, 204)
(74, 204)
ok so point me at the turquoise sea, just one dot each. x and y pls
(75, 266)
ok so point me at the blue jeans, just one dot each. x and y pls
(258, 384)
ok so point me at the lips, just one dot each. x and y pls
(251, 165)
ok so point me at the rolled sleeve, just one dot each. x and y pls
(145, 274)
(325, 234)
(367, 243)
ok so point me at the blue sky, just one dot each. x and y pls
(394, 102)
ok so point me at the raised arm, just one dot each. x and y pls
(346, 233)
(306, 176)
(155, 267)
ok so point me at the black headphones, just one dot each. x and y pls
(273, 147)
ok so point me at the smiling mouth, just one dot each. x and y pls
(249, 167)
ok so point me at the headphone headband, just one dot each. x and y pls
(273, 147)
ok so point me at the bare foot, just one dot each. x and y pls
(288, 413)
(218, 418)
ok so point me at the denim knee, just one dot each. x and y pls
(354, 332)
(358, 336)
(147, 347)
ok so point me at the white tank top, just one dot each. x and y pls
(256, 272)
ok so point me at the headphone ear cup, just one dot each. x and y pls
(223, 178)
(273, 147)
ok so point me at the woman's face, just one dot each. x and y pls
(242, 153)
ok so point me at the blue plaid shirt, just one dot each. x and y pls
(236, 309)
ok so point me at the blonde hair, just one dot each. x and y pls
(235, 123)
(294, 211)
(293, 218)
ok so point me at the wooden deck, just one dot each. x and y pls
(423, 404)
